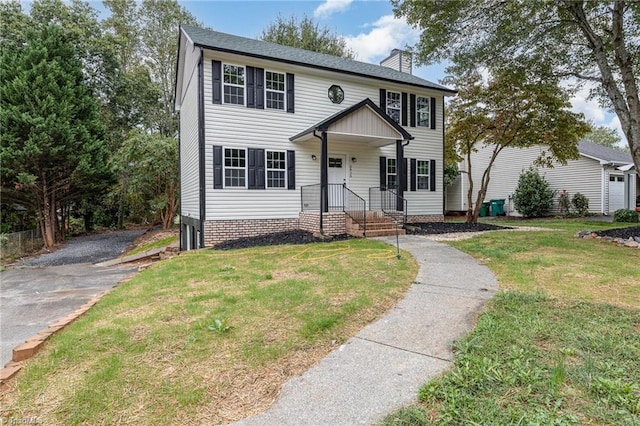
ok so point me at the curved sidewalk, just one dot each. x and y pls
(383, 366)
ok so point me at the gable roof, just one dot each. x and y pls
(223, 42)
(367, 104)
(604, 153)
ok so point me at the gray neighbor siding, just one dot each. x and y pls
(583, 175)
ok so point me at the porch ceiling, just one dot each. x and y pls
(363, 122)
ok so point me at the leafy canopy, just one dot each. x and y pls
(306, 34)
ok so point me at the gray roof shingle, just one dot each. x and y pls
(605, 153)
(261, 49)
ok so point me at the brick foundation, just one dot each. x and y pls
(333, 223)
(217, 231)
(425, 218)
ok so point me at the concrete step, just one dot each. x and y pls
(384, 232)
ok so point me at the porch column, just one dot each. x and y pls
(400, 173)
(324, 178)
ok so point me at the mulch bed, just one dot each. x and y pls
(427, 228)
(278, 238)
(624, 233)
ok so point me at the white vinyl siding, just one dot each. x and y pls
(271, 129)
(583, 175)
(189, 161)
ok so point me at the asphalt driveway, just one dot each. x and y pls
(43, 289)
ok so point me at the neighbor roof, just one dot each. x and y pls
(604, 153)
(265, 50)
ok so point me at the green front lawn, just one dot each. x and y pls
(560, 345)
(208, 337)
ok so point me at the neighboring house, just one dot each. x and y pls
(606, 176)
(270, 135)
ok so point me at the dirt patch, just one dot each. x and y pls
(624, 233)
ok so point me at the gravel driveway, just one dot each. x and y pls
(93, 248)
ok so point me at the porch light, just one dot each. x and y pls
(313, 157)
(354, 160)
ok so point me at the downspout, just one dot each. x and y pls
(603, 182)
(201, 149)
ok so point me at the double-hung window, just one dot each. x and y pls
(392, 176)
(423, 111)
(422, 174)
(276, 169)
(275, 89)
(394, 105)
(235, 167)
(233, 82)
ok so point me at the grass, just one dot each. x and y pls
(560, 345)
(207, 337)
(154, 244)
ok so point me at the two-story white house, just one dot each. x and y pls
(272, 136)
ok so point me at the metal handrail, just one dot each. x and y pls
(338, 194)
(356, 200)
(387, 200)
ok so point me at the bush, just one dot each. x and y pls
(625, 215)
(580, 204)
(564, 202)
(532, 196)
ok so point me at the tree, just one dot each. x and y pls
(51, 151)
(605, 136)
(513, 109)
(306, 34)
(583, 41)
(147, 163)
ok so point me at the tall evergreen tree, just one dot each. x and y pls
(52, 150)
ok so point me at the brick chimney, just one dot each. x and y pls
(399, 60)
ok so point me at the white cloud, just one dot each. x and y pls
(329, 7)
(385, 34)
(589, 107)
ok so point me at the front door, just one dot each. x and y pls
(337, 175)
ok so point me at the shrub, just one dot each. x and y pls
(625, 215)
(564, 202)
(580, 204)
(532, 196)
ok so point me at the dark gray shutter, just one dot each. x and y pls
(405, 175)
(216, 72)
(412, 110)
(291, 170)
(217, 167)
(251, 87)
(256, 168)
(414, 174)
(383, 100)
(432, 110)
(432, 175)
(403, 109)
(259, 88)
(290, 94)
(383, 171)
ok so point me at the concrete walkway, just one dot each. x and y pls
(384, 365)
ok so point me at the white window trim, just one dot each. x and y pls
(428, 99)
(244, 86)
(392, 174)
(387, 107)
(284, 92)
(225, 167)
(267, 169)
(418, 175)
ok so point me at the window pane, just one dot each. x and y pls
(423, 113)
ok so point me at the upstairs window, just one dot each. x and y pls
(423, 111)
(235, 168)
(394, 105)
(392, 176)
(276, 169)
(275, 89)
(422, 174)
(233, 82)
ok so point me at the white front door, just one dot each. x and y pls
(337, 174)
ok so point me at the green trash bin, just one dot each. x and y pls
(484, 209)
(497, 207)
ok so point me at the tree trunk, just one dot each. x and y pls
(627, 110)
(470, 213)
(48, 206)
